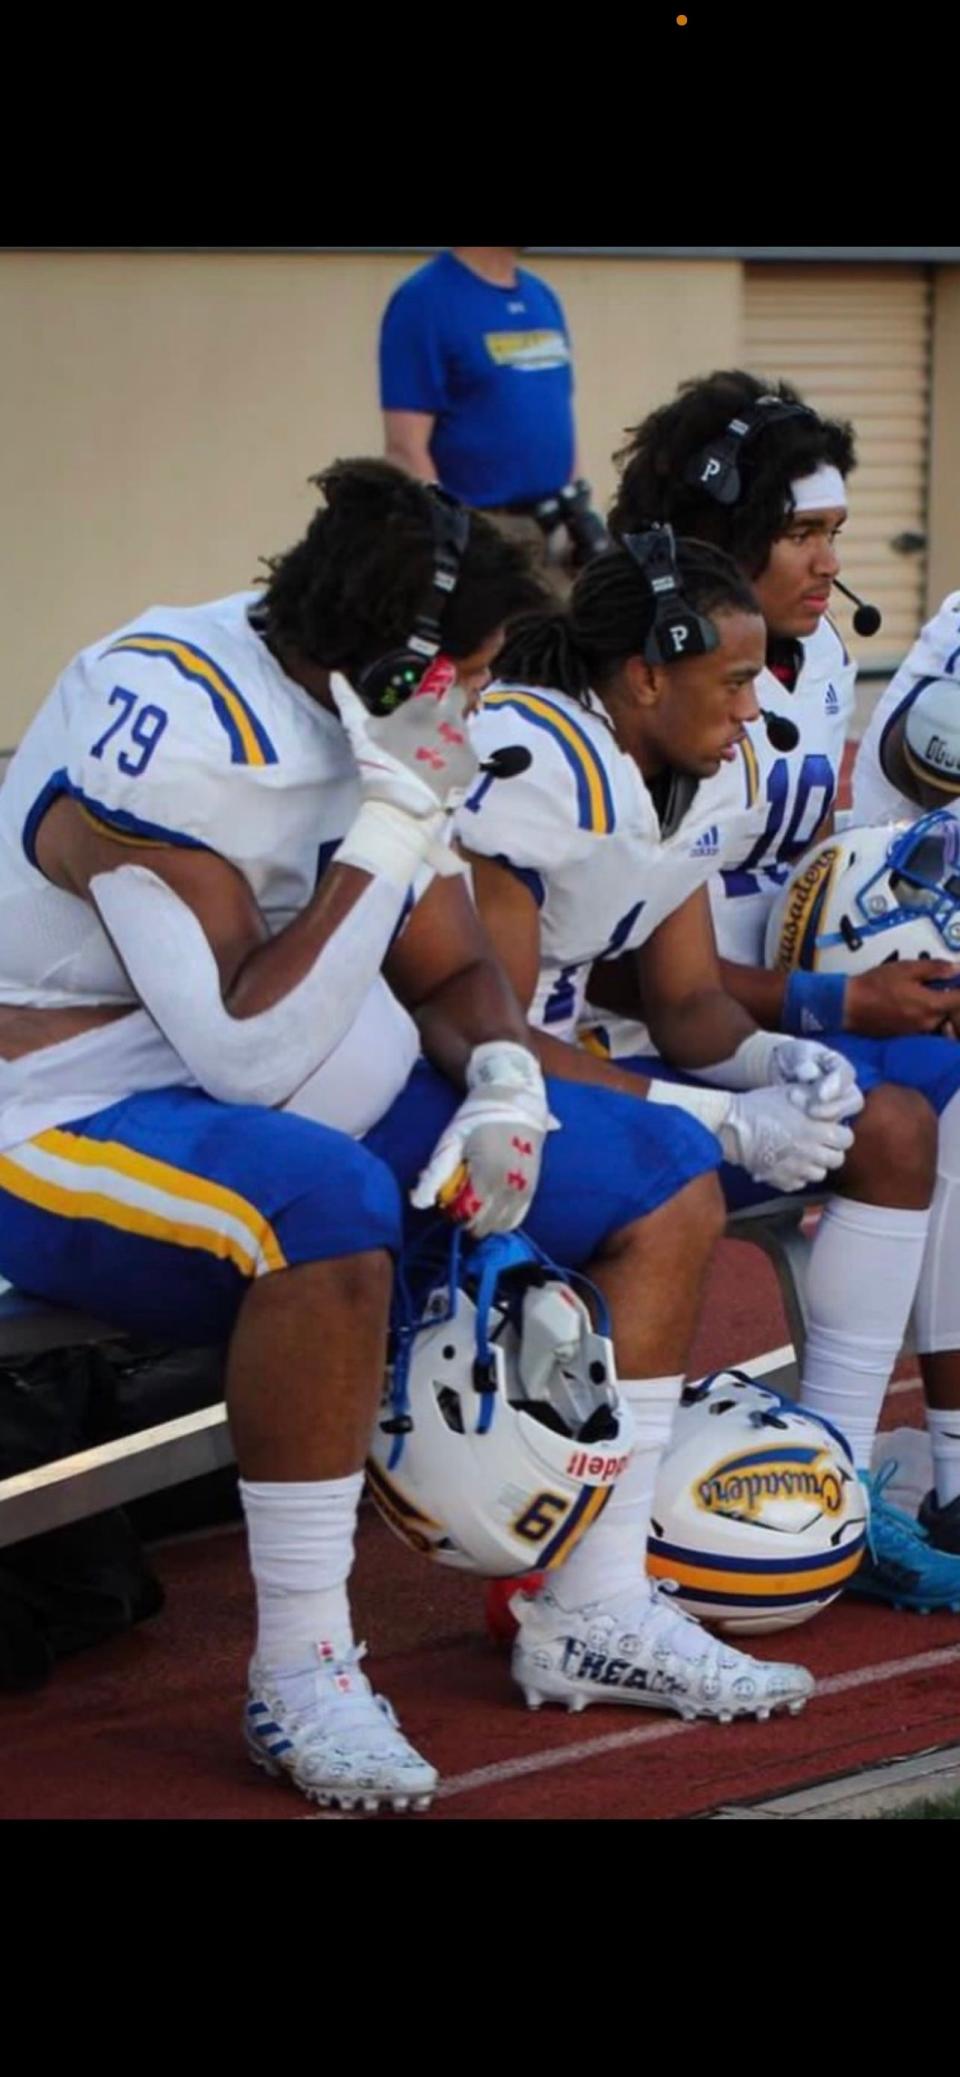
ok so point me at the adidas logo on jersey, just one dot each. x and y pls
(708, 845)
(831, 700)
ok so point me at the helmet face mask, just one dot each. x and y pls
(759, 1517)
(501, 1434)
(870, 895)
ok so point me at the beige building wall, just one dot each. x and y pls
(943, 563)
(159, 414)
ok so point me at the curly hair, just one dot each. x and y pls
(352, 588)
(577, 647)
(655, 461)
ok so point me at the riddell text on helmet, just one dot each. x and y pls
(580, 1465)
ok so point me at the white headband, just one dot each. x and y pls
(820, 492)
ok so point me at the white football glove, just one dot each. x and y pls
(778, 1142)
(485, 1167)
(820, 1081)
(418, 759)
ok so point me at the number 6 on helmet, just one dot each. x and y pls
(501, 1434)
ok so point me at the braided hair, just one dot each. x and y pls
(578, 647)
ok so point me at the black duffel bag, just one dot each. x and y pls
(75, 1586)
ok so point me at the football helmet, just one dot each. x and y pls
(870, 895)
(759, 1516)
(501, 1434)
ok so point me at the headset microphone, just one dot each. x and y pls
(507, 763)
(867, 620)
(782, 734)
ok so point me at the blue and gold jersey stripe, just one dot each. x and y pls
(249, 741)
(594, 798)
(751, 771)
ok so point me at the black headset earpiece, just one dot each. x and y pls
(716, 469)
(392, 679)
(678, 630)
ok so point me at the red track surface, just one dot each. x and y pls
(149, 1726)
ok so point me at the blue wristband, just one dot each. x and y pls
(813, 1003)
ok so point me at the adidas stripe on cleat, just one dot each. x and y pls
(323, 1727)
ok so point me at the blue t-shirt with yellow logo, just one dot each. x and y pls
(493, 367)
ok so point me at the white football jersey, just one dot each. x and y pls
(798, 786)
(579, 828)
(935, 654)
(180, 728)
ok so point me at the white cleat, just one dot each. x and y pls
(335, 1740)
(647, 1653)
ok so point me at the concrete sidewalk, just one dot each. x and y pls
(873, 1793)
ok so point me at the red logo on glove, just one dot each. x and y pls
(431, 757)
(437, 679)
(516, 1180)
(523, 1146)
(465, 1205)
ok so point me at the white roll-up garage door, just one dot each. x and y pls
(856, 342)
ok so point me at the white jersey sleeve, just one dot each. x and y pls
(935, 654)
(547, 816)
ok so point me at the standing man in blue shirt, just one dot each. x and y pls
(476, 384)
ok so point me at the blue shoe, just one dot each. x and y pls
(900, 1564)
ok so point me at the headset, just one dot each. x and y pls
(391, 679)
(677, 630)
(716, 469)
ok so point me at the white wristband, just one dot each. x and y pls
(750, 1067)
(503, 1062)
(393, 846)
(711, 1106)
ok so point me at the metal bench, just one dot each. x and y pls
(113, 1473)
(778, 1228)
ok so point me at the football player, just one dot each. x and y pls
(229, 924)
(633, 707)
(747, 465)
(908, 761)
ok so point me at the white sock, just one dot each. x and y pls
(864, 1267)
(937, 1315)
(301, 1553)
(610, 1559)
(943, 1426)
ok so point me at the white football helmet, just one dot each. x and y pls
(759, 1516)
(931, 733)
(869, 895)
(501, 1434)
